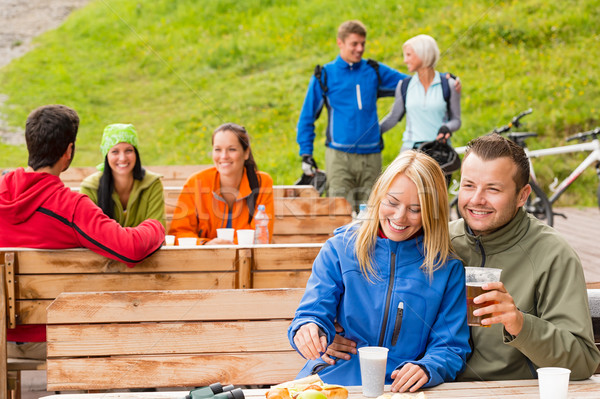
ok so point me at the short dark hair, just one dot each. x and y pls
(48, 132)
(494, 146)
(349, 27)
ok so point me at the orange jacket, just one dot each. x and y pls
(201, 211)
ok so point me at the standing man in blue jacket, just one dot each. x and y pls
(348, 88)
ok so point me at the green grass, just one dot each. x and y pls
(178, 69)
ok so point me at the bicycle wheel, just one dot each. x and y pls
(538, 205)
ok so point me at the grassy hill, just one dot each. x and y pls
(177, 69)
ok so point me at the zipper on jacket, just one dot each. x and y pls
(358, 99)
(480, 245)
(388, 299)
(398, 324)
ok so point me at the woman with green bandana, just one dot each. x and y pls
(123, 189)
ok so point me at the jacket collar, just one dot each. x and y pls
(340, 63)
(243, 192)
(504, 238)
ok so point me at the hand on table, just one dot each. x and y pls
(503, 309)
(409, 378)
(340, 347)
(310, 342)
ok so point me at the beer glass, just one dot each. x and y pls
(476, 277)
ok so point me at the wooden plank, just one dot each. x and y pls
(73, 176)
(172, 175)
(32, 312)
(3, 328)
(301, 207)
(26, 364)
(312, 206)
(300, 238)
(291, 225)
(593, 285)
(172, 371)
(51, 285)
(9, 284)
(141, 306)
(244, 262)
(171, 193)
(293, 191)
(168, 338)
(521, 389)
(287, 279)
(285, 258)
(165, 260)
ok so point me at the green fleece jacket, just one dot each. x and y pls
(544, 276)
(146, 200)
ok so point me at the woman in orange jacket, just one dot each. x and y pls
(226, 195)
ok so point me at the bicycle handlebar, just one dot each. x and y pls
(515, 122)
(585, 136)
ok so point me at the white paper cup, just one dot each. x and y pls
(245, 237)
(373, 361)
(553, 382)
(187, 241)
(169, 240)
(225, 234)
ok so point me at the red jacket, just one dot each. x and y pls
(38, 211)
(201, 211)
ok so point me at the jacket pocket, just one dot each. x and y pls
(398, 323)
(411, 325)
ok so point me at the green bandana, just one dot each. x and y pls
(115, 134)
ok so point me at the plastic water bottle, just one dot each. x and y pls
(261, 231)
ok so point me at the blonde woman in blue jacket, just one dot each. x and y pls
(398, 257)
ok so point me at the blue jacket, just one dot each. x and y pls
(352, 125)
(433, 331)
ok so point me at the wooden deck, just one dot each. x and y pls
(581, 228)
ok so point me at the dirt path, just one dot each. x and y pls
(21, 21)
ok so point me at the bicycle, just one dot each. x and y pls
(592, 159)
(537, 203)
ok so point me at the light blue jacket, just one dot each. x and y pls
(352, 125)
(433, 331)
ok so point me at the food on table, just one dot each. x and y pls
(299, 389)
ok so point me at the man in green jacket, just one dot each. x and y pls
(541, 316)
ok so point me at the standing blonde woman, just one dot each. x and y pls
(399, 256)
(429, 115)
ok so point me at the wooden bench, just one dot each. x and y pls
(35, 277)
(171, 338)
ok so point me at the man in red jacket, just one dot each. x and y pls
(38, 211)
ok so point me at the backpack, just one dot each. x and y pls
(445, 90)
(321, 76)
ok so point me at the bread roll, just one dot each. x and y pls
(291, 389)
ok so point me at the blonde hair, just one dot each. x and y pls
(426, 48)
(427, 175)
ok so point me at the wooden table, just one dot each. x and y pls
(522, 389)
